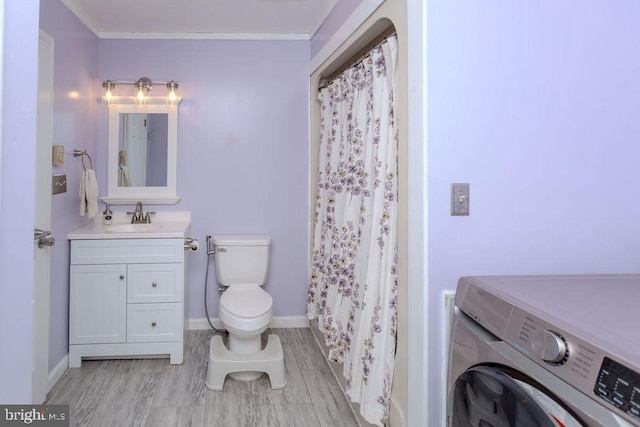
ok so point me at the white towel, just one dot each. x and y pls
(124, 179)
(82, 195)
(88, 193)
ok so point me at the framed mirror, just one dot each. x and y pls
(142, 155)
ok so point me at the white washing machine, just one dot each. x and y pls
(545, 351)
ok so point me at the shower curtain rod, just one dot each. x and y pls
(379, 40)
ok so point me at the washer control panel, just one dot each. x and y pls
(620, 387)
(560, 352)
(576, 361)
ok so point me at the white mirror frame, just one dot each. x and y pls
(151, 195)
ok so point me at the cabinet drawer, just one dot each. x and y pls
(154, 283)
(154, 322)
(117, 251)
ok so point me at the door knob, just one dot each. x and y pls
(46, 241)
(38, 233)
(43, 237)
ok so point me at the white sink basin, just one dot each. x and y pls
(133, 228)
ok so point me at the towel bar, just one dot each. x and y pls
(78, 153)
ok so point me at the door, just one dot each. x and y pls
(42, 240)
(491, 397)
(136, 148)
(1, 90)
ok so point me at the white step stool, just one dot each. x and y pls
(223, 362)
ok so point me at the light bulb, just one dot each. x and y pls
(108, 95)
(140, 96)
(172, 97)
(142, 85)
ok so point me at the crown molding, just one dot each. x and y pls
(203, 36)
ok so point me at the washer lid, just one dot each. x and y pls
(246, 300)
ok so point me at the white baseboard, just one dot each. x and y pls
(276, 322)
(290, 322)
(202, 324)
(57, 372)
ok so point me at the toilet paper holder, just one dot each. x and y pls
(190, 243)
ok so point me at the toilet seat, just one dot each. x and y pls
(246, 301)
(245, 310)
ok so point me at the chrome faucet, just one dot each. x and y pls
(139, 216)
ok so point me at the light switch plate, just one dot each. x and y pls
(459, 199)
(59, 183)
(58, 155)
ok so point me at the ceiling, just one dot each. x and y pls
(202, 19)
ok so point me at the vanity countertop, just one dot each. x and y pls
(164, 225)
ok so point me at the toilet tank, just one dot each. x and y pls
(241, 259)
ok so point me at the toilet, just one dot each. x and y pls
(242, 264)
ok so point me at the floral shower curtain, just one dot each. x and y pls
(353, 285)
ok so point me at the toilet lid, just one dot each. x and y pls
(246, 301)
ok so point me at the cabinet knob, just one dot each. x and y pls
(153, 324)
(122, 277)
(154, 284)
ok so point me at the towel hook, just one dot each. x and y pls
(78, 153)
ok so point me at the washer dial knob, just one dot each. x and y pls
(551, 347)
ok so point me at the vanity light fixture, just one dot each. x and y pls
(108, 86)
(172, 97)
(142, 86)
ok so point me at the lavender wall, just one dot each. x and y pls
(340, 13)
(536, 105)
(76, 92)
(243, 147)
(20, 83)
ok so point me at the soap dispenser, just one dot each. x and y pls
(107, 215)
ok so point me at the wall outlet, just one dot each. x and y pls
(59, 183)
(58, 155)
(459, 199)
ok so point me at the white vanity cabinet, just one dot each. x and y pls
(127, 298)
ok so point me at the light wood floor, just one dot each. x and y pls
(151, 392)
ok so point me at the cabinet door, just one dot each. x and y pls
(98, 304)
